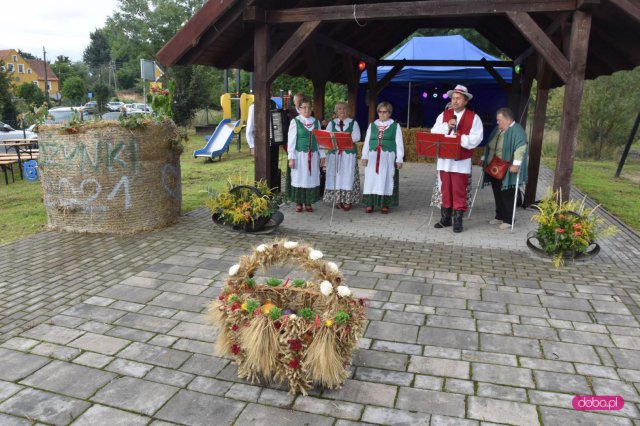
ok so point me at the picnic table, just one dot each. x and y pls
(22, 148)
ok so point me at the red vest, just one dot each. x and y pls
(463, 128)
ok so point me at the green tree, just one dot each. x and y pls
(98, 53)
(190, 92)
(101, 94)
(7, 109)
(26, 55)
(74, 89)
(30, 93)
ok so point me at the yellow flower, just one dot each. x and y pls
(328, 323)
(244, 306)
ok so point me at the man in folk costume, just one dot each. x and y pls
(305, 159)
(382, 153)
(508, 141)
(454, 174)
(343, 176)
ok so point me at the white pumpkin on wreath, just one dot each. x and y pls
(295, 330)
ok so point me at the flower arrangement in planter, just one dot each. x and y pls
(245, 207)
(566, 229)
(298, 331)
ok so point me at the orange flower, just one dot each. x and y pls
(577, 234)
(560, 230)
(561, 216)
(577, 226)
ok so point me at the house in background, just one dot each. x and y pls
(29, 71)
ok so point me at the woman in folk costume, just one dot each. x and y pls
(305, 159)
(382, 154)
(343, 177)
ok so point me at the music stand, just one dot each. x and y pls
(438, 145)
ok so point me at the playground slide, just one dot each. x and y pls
(219, 141)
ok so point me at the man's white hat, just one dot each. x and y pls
(462, 90)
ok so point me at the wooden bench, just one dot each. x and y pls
(8, 160)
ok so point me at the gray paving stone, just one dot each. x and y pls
(402, 348)
(451, 322)
(155, 355)
(432, 402)
(500, 411)
(387, 416)
(447, 302)
(583, 337)
(627, 342)
(242, 392)
(163, 340)
(61, 377)
(181, 301)
(502, 375)
(414, 287)
(597, 371)
(129, 293)
(490, 358)
(145, 282)
(364, 393)
(20, 344)
(535, 332)
(95, 327)
(439, 420)
(93, 360)
(439, 352)
(188, 330)
(529, 311)
(510, 298)
(129, 368)
(615, 319)
(100, 344)
(404, 317)
(389, 361)
(147, 322)
(560, 382)
(169, 377)
(130, 334)
(495, 327)
(610, 307)
(96, 313)
(60, 352)
(7, 389)
(572, 417)
(16, 365)
(44, 406)
(407, 298)
(428, 382)
(510, 393)
(449, 338)
(210, 386)
(510, 345)
(547, 365)
(99, 415)
(276, 398)
(52, 333)
(260, 414)
(7, 420)
(383, 376)
(566, 303)
(339, 409)
(141, 396)
(204, 365)
(626, 358)
(439, 367)
(570, 352)
(459, 386)
(615, 387)
(389, 331)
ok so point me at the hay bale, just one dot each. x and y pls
(110, 179)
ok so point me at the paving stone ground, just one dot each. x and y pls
(463, 330)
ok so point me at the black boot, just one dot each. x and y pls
(445, 218)
(457, 220)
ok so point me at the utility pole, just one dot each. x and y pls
(46, 83)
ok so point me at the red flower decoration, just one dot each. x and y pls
(235, 348)
(234, 327)
(560, 230)
(294, 363)
(277, 325)
(577, 227)
(234, 306)
(295, 345)
(221, 297)
(577, 234)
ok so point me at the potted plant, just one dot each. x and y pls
(566, 229)
(246, 207)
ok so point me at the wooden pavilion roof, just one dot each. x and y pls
(221, 34)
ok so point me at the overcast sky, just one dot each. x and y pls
(61, 26)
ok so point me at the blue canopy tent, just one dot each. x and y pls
(424, 88)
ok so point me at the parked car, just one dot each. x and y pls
(143, 107)
(61, 115)
(115, 115)
(90, 107)
(8, 132)
(114, 106)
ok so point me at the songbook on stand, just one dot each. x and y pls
(438, 145)
(324, 139)
(344, 140)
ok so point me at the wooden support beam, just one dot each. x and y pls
(372, 76)
(579, 45)
(444, 63)
(534, 34)
(343, 48)
(262, 89)
(550, 30)
(631, 7)
(415, 10)
(290, 48)
(350, 68)
(544, 76)
(387, 78)
(497, 77)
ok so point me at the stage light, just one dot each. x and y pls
(445, 96)
(435, 95)
(517, 69)
(425, 95)
(362, 65)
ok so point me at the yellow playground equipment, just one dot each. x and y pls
(245, 100)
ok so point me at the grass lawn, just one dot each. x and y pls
(618, 195)
(22, 213)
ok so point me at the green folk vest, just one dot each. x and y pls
(304, 136)
(388, 141)
(349, 129)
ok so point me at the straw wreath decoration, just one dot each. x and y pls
(295, 330)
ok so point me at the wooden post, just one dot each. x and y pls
(372, 75)
(262, 104)
(537, 130)
(579, 44)
(353, 80)
(318, 98)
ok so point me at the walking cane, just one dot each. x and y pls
(335, 179)
(476, 192)
(515, 200)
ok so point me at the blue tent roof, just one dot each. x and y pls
(454, 47)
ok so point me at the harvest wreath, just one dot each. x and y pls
(300, 331)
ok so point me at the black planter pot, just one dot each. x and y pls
(259, 224)
(534, 244)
